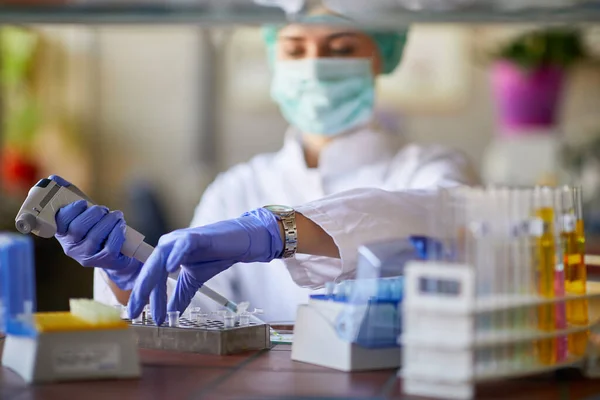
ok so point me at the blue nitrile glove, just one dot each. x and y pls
(202, 253)
(93, 236)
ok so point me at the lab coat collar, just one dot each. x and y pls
(363, 146)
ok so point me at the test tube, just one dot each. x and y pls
(453, 225)
(496, 238)
(173, 317)
(436, 223)
(479, 228)
(576, 274)
(524, 278)
(505, 269)
(565, 227)
(545, 259)
(527, 276)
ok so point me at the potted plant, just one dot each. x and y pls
(528, 77)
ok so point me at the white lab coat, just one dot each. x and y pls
(366, 159)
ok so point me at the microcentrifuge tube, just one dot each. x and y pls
(229, 321)
(245, 319)
(242, 307)
(173, 318)
(146, 313)
(139, 319)
(195, 314)
(202, 318)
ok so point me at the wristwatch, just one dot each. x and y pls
(287, 216)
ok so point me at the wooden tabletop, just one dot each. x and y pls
(271, 374)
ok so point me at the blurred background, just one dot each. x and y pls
(144, 117)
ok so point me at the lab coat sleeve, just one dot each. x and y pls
(357, 217)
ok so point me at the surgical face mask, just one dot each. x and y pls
(326, 96)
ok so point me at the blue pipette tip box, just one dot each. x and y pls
(17, 285)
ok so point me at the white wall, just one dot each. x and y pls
(149, 102)
(148, 105)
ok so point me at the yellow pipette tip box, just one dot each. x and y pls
(67, 322)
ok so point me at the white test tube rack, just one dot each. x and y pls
(441, 347)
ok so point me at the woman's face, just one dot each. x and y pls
(297, 42)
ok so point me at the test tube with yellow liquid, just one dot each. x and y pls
(575, 269)
(565, 223)
(545, 251)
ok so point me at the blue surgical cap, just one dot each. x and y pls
(390, 43)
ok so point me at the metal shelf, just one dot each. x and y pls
(255, 15)
(140, 14)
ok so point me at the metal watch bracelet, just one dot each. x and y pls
(290, 234)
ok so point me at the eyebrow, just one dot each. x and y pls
(341, 34)
(329, 37)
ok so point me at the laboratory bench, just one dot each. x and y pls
(270, 374)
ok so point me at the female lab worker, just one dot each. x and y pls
(324, 84)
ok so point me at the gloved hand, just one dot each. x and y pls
(202, 253)
(93, 236)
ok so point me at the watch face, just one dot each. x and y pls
(279, 209)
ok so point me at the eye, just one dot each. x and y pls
(343, 47)
(298, 52)
(343, 51)
(293, 50)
